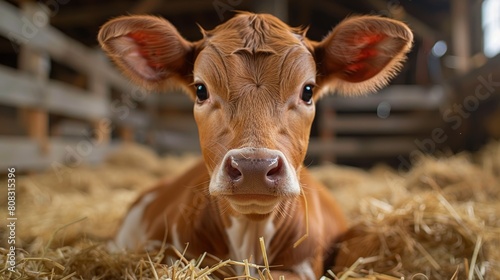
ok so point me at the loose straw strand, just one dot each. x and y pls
(306, 217)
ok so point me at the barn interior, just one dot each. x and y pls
(78, 133)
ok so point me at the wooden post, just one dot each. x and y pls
(461, 34)
(152, 111)
(326, 129)
(99, 87)
(127, 134)
(36, 63)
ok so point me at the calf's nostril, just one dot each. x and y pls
(276, 165)
(232, 169)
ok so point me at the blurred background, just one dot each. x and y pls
(62, 103)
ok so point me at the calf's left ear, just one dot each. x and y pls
(148, 50)
(362, 54)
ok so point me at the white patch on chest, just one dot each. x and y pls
(244, 237)
(305, 270)
(176, 240)
(132, 233)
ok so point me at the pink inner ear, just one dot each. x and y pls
(368, 58)
(369, 39)
(149, 53)
(139, 56)
(359, 72)
(366, 53)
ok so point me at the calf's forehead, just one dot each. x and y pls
(255, 33)
(279, 75)
(232, 72)
(254, 51)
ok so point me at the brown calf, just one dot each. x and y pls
(254, 80)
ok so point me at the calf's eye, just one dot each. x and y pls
(307, 94)
(201, 92)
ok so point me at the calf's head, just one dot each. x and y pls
(254, 81)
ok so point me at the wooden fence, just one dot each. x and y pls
(108, 109)
(37, 98)
(380, 125)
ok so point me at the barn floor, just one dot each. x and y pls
(440, 220)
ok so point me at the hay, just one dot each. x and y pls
(349, 184)
(440, 220)
(89, 260)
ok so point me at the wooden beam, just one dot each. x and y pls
(23, 30)
(132, 118)
(181, 123)
(391, 125)
(66, 100)
(175, 142)
(36, 63)
(400, 97)
(171, 100)
(22, 90)
(69, 128)
(461, 34)
(22, 153)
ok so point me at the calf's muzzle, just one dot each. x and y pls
(255, 172)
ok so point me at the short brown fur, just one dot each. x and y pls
(255, 69)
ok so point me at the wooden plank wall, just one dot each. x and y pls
(86, 117)
(380, 125)
(111, 109)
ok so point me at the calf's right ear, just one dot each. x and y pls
(149, 51)
(362, 54)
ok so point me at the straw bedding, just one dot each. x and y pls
(440, 220)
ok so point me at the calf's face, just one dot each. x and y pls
(254, 110)
(254, 81)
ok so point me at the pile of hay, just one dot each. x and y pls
(440, 220)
